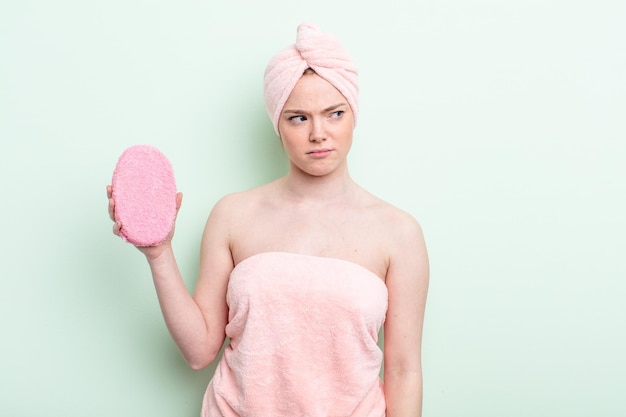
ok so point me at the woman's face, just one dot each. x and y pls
(316, 127)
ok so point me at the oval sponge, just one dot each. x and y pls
(144, 191)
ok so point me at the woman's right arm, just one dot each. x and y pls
(197, 324)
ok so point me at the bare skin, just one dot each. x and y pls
(316, 209)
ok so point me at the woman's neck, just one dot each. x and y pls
(334, 187)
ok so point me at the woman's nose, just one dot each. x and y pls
(318, 133)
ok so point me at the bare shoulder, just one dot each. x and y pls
(399, 225)
(400, 239)
(228, 218)
(408, 246)
(235, 205)
(234, 215)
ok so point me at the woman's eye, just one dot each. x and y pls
(297, 119)
(337, 114)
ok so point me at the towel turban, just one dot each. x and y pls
(313, 49)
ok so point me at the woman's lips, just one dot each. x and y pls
(319, 153)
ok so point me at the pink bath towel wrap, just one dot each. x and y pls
(144, 191)
(303, 336)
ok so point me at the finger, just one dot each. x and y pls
(179, 201)
(109, 191)
(112, 209)
(117, 226)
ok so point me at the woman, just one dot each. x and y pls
(302, 272)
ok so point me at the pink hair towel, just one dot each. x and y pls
(313, 49)
(144, 192)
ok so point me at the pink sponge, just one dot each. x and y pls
(144, 191)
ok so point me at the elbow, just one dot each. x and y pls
(199, 362)
(201, 354)
(197, 366)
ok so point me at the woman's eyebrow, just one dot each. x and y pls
(295, 111)
(335, 107)
(327, 109)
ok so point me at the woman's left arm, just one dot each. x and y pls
(407, 284)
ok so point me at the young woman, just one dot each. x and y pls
(302, 272)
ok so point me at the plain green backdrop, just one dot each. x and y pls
(500, 125)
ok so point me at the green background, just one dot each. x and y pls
(498, 124)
